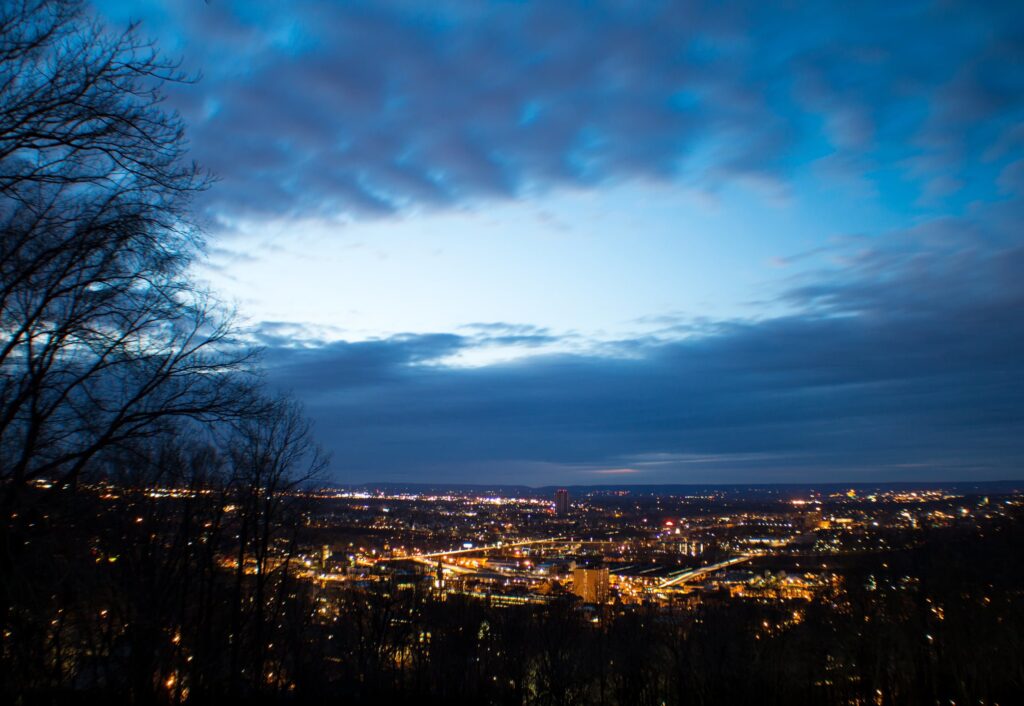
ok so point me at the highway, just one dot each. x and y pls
(701, 571)
(447, 566)
(491, 547)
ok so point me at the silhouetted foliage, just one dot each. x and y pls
(104, 338)
(116, 366)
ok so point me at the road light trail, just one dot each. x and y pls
(711, 568)
(453, 552)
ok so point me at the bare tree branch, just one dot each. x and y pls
(104, 336)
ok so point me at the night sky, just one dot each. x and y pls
(621, 242)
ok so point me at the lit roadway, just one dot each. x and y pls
(438, 555)
(447, 566)
(711, 568)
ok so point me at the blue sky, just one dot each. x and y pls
(568, 242)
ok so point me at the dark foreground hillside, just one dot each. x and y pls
(132, 606)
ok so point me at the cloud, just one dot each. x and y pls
(907, 363)
(339, 365)
(504, 334)
(506, 329)
(903, 359)
(367, 109)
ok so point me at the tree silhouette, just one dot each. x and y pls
(115, 364)
(104, 337)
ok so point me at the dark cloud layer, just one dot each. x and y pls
(903, 365)
(902, 362)
(371, 108)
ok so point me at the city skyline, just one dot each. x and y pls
(567, 243)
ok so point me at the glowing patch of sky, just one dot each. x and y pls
(592, 262)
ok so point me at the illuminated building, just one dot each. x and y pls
(562, 502)
(591, 584)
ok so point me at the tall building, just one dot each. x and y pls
(591, 584)
(562, 502)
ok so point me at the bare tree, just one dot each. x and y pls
(107, 344)
(273, 455)
(104, 337)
